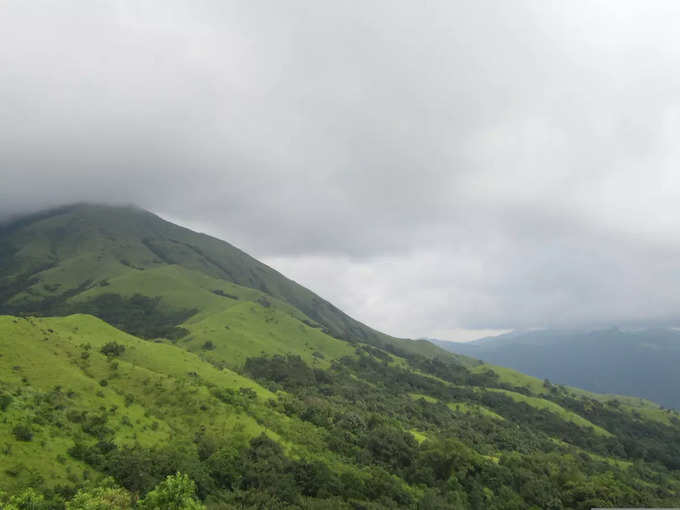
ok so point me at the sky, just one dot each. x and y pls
(445, 169)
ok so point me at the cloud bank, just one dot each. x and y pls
(429, 167)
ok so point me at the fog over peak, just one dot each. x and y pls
(431, 168)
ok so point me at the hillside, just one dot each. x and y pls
(132, 349)
(55, 258)
(594, 360)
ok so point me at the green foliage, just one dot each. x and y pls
(104, 497)
(138, 315)
(29, 499)
(22, 432)
(176, 492)
(220, 292)
(288, 371)
(112, 349)
(5, 401)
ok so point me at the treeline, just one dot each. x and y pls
(142, 316)
(177, 492)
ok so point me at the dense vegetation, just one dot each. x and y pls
(218, 395)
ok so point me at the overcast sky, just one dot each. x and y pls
(439, 168)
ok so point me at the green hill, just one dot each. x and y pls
(132, 349)
(52, 256)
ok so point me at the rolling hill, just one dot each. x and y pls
(132, 349)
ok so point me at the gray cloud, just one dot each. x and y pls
(427, 166)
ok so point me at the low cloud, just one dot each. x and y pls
(428, 167)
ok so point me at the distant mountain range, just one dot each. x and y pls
(644, 363)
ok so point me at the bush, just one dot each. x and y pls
(29, 499)
(176, 492)
(101, 498)
(5, 401)
(112, 349)
(22, 433)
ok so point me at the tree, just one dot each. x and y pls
(29, 499)
(112, 349)
(176, 492)
(22, 432)
(107, 497)
(5, 401)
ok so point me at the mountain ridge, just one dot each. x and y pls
(639, 362)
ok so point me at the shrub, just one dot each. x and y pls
(5, 401)
(112, 349)
(224, 294)
(176, 492)
(22, 432)
(100, 498)
(28, 499)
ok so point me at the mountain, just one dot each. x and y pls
(143, 365)
(81, 252)
(641, 362)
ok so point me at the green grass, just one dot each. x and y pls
(467, 407)
(565, 414)
(419, 436)
(156, 393)
(426, 398)
(460, 407)
(644, 408)
(512, 377)
(622, 464)
(250, 325)
(155, 357)
(240, 323)
(249, 329)
(637, 407)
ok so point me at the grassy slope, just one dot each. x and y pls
(535, 386)
(158, 391)
(167, 389)
(100, 243)
(541, 403)
(466, 407)
(239, 328)
(634, 406)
